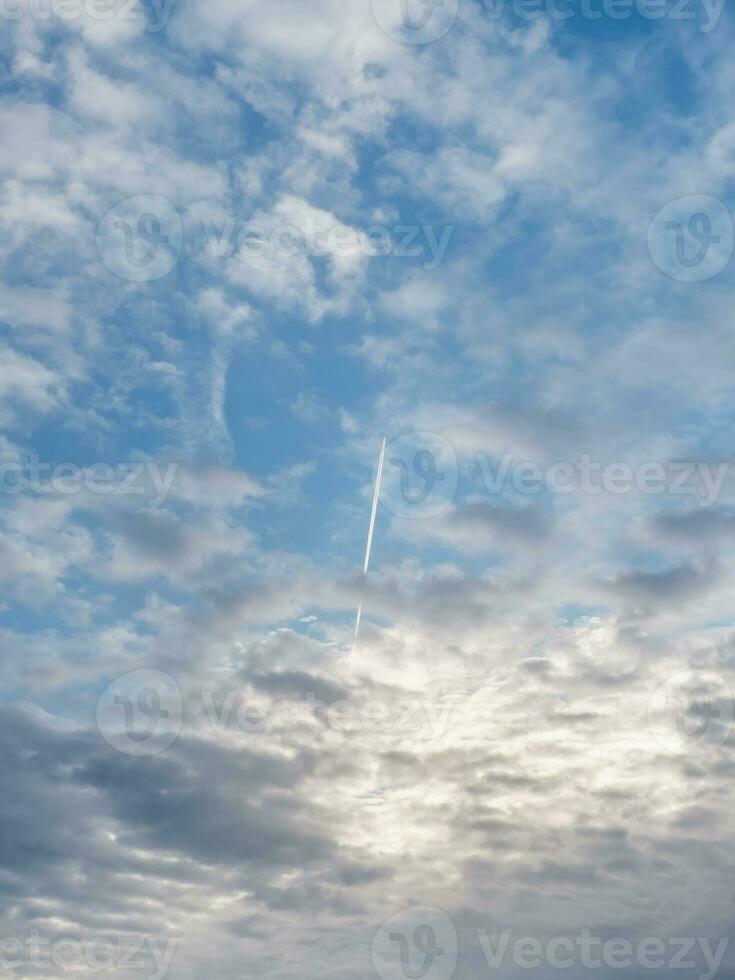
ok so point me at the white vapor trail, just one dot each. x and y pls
(373, 515)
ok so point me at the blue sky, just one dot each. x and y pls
(243, 243)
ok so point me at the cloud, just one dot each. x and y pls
(510, 740)
(280, 262)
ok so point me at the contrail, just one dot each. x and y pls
(373, 515)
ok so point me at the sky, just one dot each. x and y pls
(243, 243)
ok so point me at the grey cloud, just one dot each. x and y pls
(195, 805)
(153, 534)
(521, 523)
(696, 525)
(296, 683)
(675, 584)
